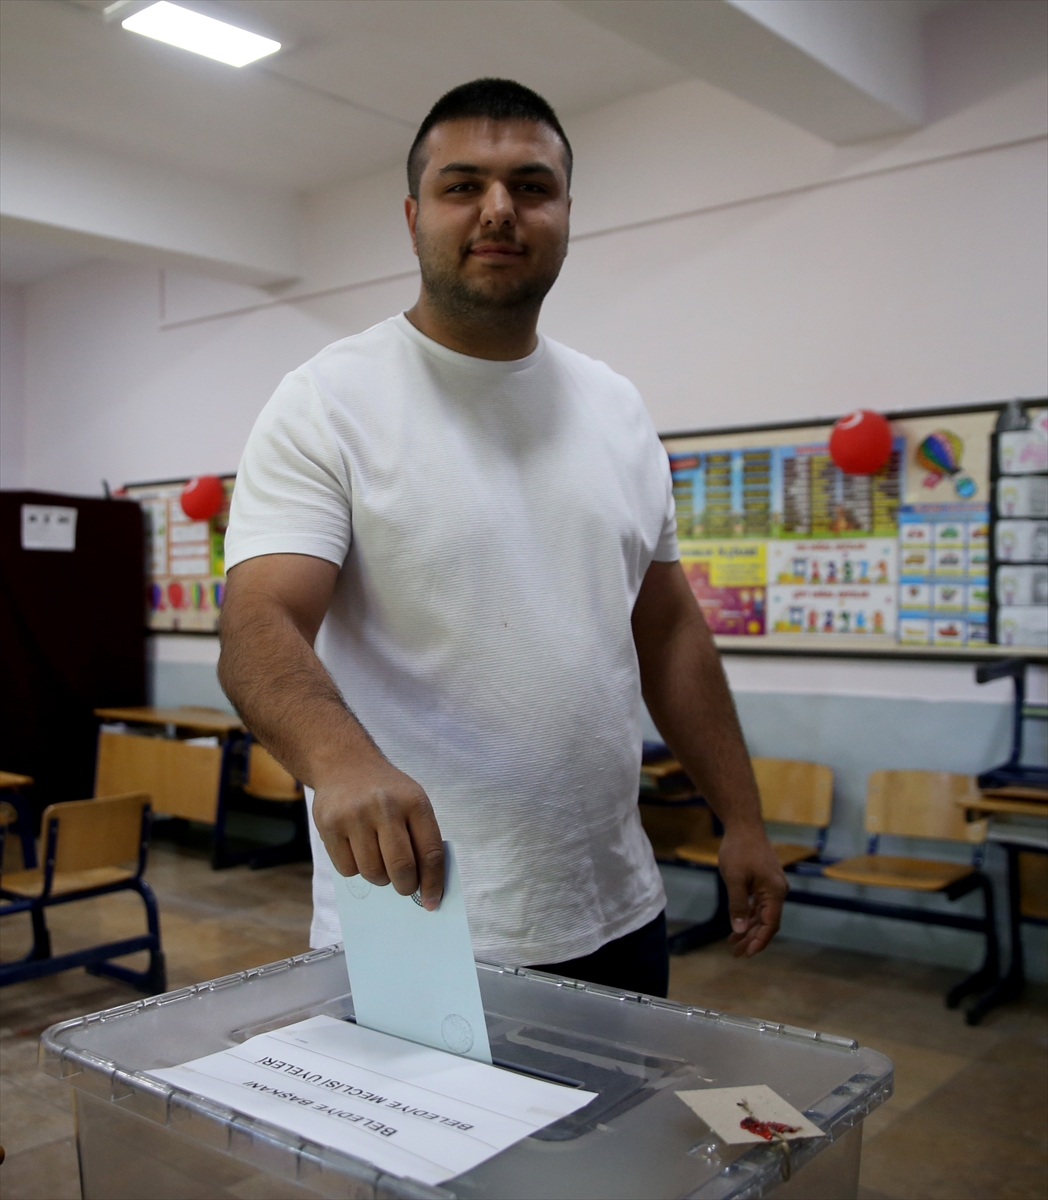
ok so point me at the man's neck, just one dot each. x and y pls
(498, 334)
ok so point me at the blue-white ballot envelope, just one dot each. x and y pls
(412, 972)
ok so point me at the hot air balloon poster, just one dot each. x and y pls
(948, 458)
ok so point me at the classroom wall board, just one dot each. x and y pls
(784, 550)
(185, 559)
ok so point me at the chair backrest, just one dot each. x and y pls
(267, 779)
(798, 793)
(96, 833)
(922, 804)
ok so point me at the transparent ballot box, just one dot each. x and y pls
(140, 1138)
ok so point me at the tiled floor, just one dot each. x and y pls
(969, 1117)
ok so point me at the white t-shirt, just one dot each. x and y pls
(493, 522)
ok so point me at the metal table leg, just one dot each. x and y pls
(1010, 986)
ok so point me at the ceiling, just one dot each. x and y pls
(341, 99)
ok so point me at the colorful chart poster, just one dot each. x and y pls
(792, 491)
(944, 591)
(728, 581)
(832, 610)
(725, 493)
(185, 559)
(833, 562)
(817, 499)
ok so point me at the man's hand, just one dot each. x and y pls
(690, 702)
(378, 822)
(756, 887)
(374, 819)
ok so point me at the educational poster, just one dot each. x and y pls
(948, 458)
(185, 559)
(817, 499)
(833, 562)
(788, 491)
(944, 591)
(823, 610)
(803, 520)
(725, 493)
(776, 541)
(728, 581)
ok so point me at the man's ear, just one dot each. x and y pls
(411, 213)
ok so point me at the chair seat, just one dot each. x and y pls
(11, 779)
(792, 852)
(31, 883)
(705, 852)
(883, 870)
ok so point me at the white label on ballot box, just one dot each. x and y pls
(404, 1108)
(738, 1115)
(412, 972)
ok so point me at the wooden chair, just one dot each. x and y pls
(15, 814)
(792, 793)
(1033, 887)
(267, 779)
(92, 848)
(923, 804)
(683, 833)
(280, 794)
(914, 804)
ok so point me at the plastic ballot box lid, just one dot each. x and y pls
(138, 1137)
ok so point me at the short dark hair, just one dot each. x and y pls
(496, 99)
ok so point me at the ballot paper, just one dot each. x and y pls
(411, 971)
(405, 1108)
(728, 1112)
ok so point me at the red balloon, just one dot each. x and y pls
(861, 442)
(203, 497)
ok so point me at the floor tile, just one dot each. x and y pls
(48, 1173)
(27, 1120)
(924, 1158)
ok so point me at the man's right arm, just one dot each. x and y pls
(374, 819)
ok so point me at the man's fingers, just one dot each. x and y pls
(740, 909)
(429, 855)
(341, 855)
(398, 857)
(368, 855)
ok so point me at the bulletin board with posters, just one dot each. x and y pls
(785, 552)
(185, 559)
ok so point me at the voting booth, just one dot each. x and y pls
(139, 1136)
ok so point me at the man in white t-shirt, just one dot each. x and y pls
(474, 526)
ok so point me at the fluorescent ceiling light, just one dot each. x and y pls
(203, 35)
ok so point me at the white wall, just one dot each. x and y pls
(914, 277)
(12, 406)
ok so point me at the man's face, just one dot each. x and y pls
(490, 225)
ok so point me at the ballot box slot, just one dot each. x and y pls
(548, 1076)
(621, 1078)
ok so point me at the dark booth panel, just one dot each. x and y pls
(72, 626)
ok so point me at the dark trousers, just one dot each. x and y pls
(638, 962)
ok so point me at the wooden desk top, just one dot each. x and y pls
(9, 779)
(200, 720)
(991, 804)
